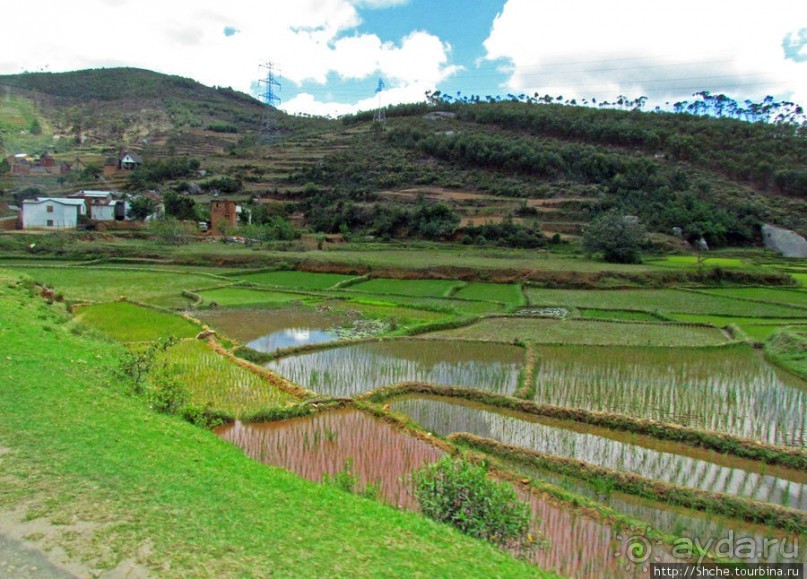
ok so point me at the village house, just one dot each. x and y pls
(52, 213)
(102, 205)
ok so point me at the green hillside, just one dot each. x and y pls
(510, 172)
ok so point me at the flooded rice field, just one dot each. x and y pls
(625, 452)
(771, 545)
(315, 446)
(576, 545)
(267, 330)
(351, 370)
(731, 390)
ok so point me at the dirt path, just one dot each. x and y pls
(17, 560)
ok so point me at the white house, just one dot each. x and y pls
(101, 205)
(52, 213)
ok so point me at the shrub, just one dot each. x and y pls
(458, 492)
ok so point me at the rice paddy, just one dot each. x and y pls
(729, 390)
(320, 445)
(663, 300)
(589, 332)
(243, 297)
(381, 455)
(407, 287)
(678, 521)
(295, 279)
(216, 382)
(497, 292)
(351, 370)
(128, 322)
(606, 449)
(269, 330)
(791, 297)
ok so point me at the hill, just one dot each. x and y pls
(508, 172)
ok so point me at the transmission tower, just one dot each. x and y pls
(379, 116)
(270, 98)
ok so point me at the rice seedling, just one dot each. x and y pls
(243, 297)
(567, 440)
(665, 300)
(128, 322)
(350, 370)
(729, 390)
(677, 521)
(590, 332)
(406, 287)
(495, 292)
(790, 297)
(295, 279)
(574, 544)
(215, 381)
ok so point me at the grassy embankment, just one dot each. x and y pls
(123, 483)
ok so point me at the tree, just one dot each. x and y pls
(141, 207)
(617, 237)
(179, 206)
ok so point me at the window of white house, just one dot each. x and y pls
(50, 208)
(49, 223)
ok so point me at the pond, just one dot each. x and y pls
(351, 370)
(381, 454)
(731, 390)
(666, 461)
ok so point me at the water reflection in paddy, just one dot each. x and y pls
(351, 370)
(267, 330)
(772, 545)
(666, 461)
(578, 546)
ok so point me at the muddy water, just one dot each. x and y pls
(730, 390)
(772, 545)
(577, 546)
(351, 370)
(319, 445)
(270, 330)
(666, 461)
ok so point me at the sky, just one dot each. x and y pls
(329, 55)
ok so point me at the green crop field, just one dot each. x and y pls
(406, 287)
(295, 279)
(127, 322)
(796, 298)
(161, 288)
(219, 383)
(243, 297)
(693, 261)
(617, 315)
(505, 293)
(590, 332)
(664, 300)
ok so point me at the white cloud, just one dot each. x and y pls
(590, 48)
(307, 40)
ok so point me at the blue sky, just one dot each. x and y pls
(331, 53)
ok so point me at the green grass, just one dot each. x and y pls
(497, 292)
(406, 287)
(758, 328)
(617, 315)
(788, 348)
(161, 288)
(585, 332)
(218, 382)
(783, 296)
(664, 300)
(243, 297)
(801, 278)
(296, 279)
(175, 498)
(691, 261)
(127, 322)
